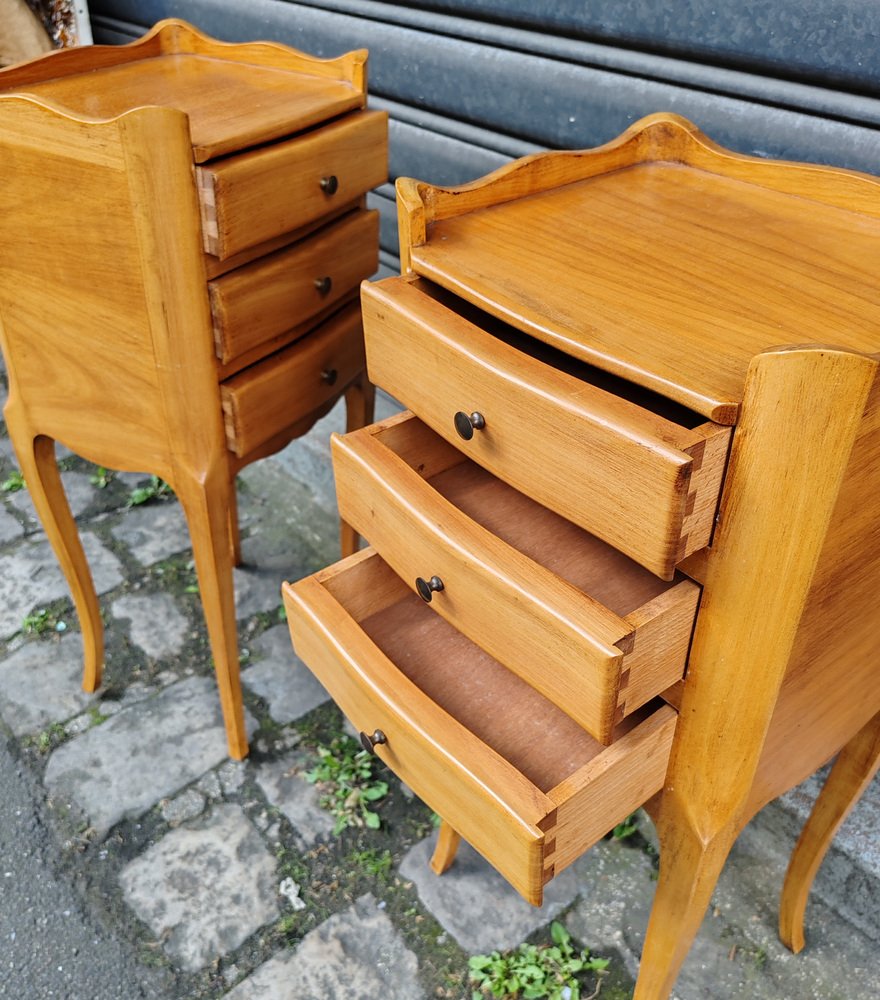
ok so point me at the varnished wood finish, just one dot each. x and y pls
(854, 769)
(106, 325)
(496, 762)
(256, 195)
(445, 849)
(255, 303)
(725, 258)
(283, 388)
(517, 578)
(550, 435)
(679, 267)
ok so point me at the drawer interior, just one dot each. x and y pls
(505, 713)
(588, 563)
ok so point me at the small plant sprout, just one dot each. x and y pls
(344, 777)
(627, 828)
(37, 623)
(157, 489)
(530, 972)
(100, 477)
(13, 482)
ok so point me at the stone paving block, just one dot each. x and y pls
(41, 683)
(205, 888)
(30, 577)
(474, 904)
(356, 954)
(154, 531)
(80, 492)
(10, 527)
(285, 787)
(737, 952)
(256, 589)
(142, 754)
(280, 677)
(155, 623)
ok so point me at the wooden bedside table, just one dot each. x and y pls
(614, 603)
(184, 234)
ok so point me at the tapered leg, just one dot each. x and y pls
(445, 851)
(207, 512)
(36, 457)
(360, 401)
(855, 767)
(234, 533)
(689, 870)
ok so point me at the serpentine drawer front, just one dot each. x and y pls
(588, 628)
(255, 302)
(259, 194)
(641, 473)
(525, 785)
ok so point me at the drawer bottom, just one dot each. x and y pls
(522, 782)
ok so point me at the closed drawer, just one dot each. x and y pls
(259, 301)
(641, 473)
(591, 630)
(262, 400)
(515, 776)
(258, 195)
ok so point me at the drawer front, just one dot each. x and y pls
(262, 300)
(258, 195)
(485, 796)
(642, 483)
(261, 401)
(510, 602)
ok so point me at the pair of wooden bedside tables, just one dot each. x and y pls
(626, 544)
(184, 231)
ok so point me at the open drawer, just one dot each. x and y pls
(641, 472)
(590, 629)
(514, 775)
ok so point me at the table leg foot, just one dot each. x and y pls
(445, 851)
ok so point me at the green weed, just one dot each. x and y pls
(344, 776)
(13, 482)
(157, 489)
(534, 971)
(101, 477)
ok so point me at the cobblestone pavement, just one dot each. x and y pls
(228, 878)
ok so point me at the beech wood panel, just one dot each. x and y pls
(263, 399)
(263, 299)
(726, 268)
(534, 612)
(257, 195)
(496, 774)
(234, 96)
(616, 469)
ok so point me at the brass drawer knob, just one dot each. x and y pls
(329, 376)
(466, 425)
(323, 285)
(369, 742)
(330, 184)
(427, 588)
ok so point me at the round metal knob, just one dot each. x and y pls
(330, 184)
(369, 742)
(427, 588)
(466, 425)
(329, 376)
(324, 285)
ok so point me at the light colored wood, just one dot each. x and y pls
(802, 415)
(256, 195)
(106, 328)
(496, 775)
(257, 302)
(445, 849)
(235, 95)
(261, 401)
(659, 202)
(504, 592)
(552, 436)
(601, 794)
(853, 771)
(360, 403)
